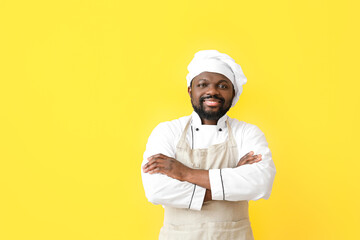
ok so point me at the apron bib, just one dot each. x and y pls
(225, 220)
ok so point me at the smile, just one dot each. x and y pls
(212, 102)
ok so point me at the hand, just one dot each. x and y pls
(160, 163)
(249, 158)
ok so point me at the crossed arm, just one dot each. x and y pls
(182, 187)
(160, 163)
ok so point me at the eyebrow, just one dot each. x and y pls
(222, 80)
(226, 81)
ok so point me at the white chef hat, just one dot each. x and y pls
(214, 61)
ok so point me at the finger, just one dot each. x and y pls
(153, 156)
(250, 160)
(150, 167)
(155, 170)
(246, 155)
(155, 159)
(255, 156)
(153, 165)
(241, 162)
(250, 155)
(159, 155)
(151, 162)
(146, 165)
(254, 161)
(246, 158)
(258, 160)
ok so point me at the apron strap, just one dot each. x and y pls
(231, 137)
(182, 141)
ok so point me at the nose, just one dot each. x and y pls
(212, 90)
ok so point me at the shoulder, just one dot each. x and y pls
(164, 137)
(171, 128)
(244, 129)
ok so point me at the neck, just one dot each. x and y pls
(208, 122)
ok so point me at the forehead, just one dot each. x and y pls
(211, 76)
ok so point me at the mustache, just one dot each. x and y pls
(203, 98)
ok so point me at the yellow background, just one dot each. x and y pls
(83, 83)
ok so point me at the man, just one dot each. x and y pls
(204, 168)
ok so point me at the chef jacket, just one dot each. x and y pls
(246, 182)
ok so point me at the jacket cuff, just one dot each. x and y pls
(216, 184)
(197, 198)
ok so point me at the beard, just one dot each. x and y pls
(210, 115)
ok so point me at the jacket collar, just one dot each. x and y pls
(196, 121)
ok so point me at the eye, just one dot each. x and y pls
(202, 85)
(223, 86)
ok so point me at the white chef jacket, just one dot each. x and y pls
(247, 182)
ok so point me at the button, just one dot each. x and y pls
(220, 129)
(196, 129)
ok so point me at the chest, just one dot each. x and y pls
(208, 149)
(205, 136)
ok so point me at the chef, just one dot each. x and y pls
(204, 168)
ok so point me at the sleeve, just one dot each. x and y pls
(250, 181)
(161, 189)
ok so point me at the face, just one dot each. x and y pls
(211, 95)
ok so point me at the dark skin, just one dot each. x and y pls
(211, 84)
(203, 85)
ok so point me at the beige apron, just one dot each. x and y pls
(225, 220)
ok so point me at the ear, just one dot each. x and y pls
(189, 91)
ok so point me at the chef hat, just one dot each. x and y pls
(214, 61)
